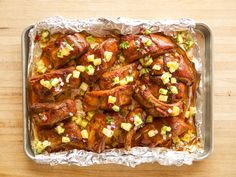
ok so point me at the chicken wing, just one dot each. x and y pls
(105, 53)
(65, 49)
(48, 114)
(127, 74)
(49, 86)
(154, 106)
(139, 46)
(95, 100)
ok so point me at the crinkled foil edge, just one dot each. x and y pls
(137, 155)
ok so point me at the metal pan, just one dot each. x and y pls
(204, 38)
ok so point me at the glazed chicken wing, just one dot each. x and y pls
(99, 60)
(126, 74)
(186, 72)
(95, 100)
(154, 134)
(154, 106)
(139, 46)
(98, 140)
(49, 86)
(70, 131)
(48, 114)
(65, 49)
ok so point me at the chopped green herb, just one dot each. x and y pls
(189, 42)
(45, 36)
(109, 119)
(179, 38)
(148, 42)
(147, 31)
(124, 45)
(90, 39)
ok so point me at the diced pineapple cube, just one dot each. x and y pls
(123, 82)
(76, 74)
(111, 99)
(39, 146)
(152, 133)
(84, 123)
(116, 108)
(165, 77)
(80, 68)
(84, 86)
(174, 89)
(187, 114)
(147, 42)
(144, 71)
(115, 80)
(156, 67)
(93, 45)
(46, 84)
(176, 140)
(149, 119)
(107, 132)
(90, 70)
(173, 66)
(65, 139)
(121, 58)
(148, 61)
(165, 129)
(90, 58)
(84, 134)
(137, 120)
(193, 110)
(78, 121)
(173, 80)
(108, 56)
(97, 61)
(163, 91)
(126, 126)
(54, 81)
(187, 137)
(163, 98)
(41, 67)
(175, 111)
(129, 79)
(59, 129)
(90, 114)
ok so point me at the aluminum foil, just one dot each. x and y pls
(137, 155)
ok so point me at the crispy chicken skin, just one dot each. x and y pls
(119, 91)
(95, 100)
(65, 49)
(48, 114)
(143, 45)
(42, 93)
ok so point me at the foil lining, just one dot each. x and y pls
(137, 155)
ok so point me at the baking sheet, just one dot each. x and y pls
(160, 155)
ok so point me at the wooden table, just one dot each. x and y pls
(219, 15)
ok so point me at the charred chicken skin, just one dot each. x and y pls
(112, 92)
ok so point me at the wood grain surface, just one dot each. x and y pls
(219, 15)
